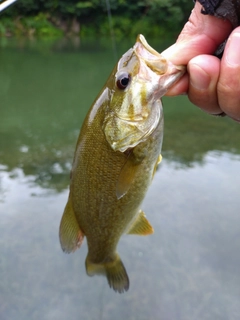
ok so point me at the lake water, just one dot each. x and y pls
(187, 270)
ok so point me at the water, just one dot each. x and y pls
(189, 268)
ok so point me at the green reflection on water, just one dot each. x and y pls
(44, 98)
(190, 133)
(46, 90)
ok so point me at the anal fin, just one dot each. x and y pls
(141, 226)
(70, 234)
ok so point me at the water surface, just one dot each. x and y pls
(189, 268)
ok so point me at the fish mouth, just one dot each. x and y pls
(141, 39)
(153, 59)
(169, 72)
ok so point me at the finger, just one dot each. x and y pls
(229, 80)
(204, 72)
(202, 34)
(181, 87)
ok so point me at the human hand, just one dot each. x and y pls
(211, 84)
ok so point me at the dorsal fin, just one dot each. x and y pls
(141, 226)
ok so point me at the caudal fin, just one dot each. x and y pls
(114, 271)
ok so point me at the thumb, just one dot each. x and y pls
(202, 34)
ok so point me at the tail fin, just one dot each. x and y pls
(114, 271)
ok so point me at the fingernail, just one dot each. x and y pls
(233, 50)
(201, 79)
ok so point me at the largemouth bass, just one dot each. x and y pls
(116, 156)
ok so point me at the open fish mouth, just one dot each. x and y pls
(158, 63)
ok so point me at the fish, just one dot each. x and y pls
(116, 156)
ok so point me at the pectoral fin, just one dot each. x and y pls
(130, 170)
(70, 234)
(156, 164)
(141, 226)
(126, 178)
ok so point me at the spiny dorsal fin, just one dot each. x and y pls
(70, 234)
(141, 226)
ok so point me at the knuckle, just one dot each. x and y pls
(229, 98)
(229, 82)
(229, 88)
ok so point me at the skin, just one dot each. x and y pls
(211, 84)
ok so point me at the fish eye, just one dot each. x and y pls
(123, 81)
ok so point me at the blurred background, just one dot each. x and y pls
(91, 18)
(55, 56)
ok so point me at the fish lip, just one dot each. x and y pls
(153, 59)
(141, 39)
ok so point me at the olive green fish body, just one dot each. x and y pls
(98, 171)
(115, 159)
